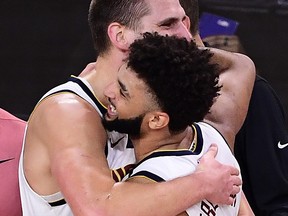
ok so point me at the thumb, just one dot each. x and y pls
(210, 154)
(212, 151)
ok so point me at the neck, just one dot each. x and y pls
(161, 140)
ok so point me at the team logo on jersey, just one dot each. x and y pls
(115, 143)
(281, 146)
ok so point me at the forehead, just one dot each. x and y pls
(132, 83)
(163, 9)
(139, 94)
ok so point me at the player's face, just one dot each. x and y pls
(129, 103)
(166, 17)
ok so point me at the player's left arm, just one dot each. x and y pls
(237, 76)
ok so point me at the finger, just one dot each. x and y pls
(230, 201)
(210, 154)
(231, 198)
(212, 151)
(236, 189)
(234, 171)
(236, 180)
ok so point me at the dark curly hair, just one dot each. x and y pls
(180, 75)
(103, 12)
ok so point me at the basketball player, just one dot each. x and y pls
(166, 85)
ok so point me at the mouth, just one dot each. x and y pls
(111, 112)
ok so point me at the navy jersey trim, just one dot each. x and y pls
(220, 134)
(199, 147)
(65, 90)
(148, 175)
(57, 203)
(102, 109)
(167, 153)
(199, 141)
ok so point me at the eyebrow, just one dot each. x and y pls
(168, 20)
(123, 87)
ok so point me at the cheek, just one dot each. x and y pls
(131, 36)
(124, 109)
(130, 110)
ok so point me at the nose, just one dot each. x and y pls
(183, 31)
(109, 91)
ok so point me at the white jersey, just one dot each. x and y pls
(119, 153)
(170, 164)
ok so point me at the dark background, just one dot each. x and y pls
(43, 42)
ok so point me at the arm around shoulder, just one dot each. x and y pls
(237, 76)
(75, 164)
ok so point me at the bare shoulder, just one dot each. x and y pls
(61, 128)
(61, 117)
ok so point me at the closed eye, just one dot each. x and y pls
(122, 93)
(122, 89)
(168, 23)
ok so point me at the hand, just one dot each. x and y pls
(220, 182)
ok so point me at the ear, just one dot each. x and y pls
(187, 23)
(116, 33)
(158, 120)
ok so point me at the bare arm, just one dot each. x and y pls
(245, 209)
(237, 77)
